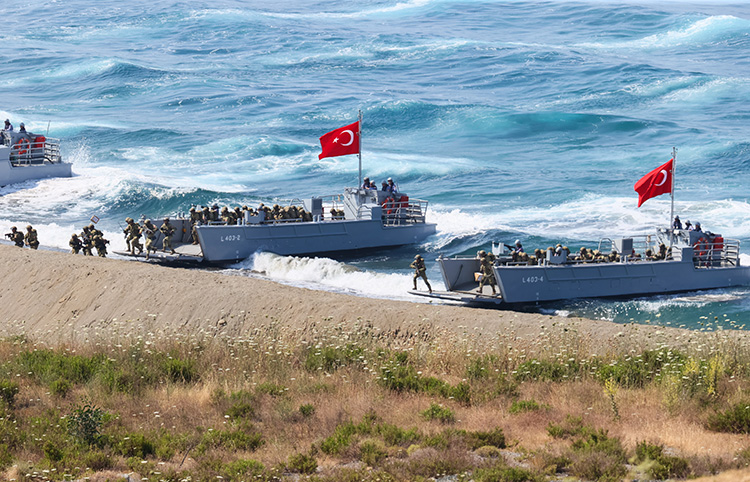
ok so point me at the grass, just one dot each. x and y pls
(349, 403)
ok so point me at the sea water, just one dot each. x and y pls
(516, 120)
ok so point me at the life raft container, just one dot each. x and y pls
(39, 142)
(403, 201)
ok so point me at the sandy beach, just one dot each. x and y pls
(59, 298)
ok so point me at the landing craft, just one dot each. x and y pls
(690, 260)
(696, 261)
(25, 156)
(361, 218)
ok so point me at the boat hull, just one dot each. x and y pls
(532, 284)
(222, 243)
(528, 284)
(10, 174)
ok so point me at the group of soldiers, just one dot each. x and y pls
(20, 239)
(89, 239)
(229, 216)
(133, 232)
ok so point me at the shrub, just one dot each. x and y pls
(270, 388)
(405, 378)
(598, 457)
(372, 452)
(734, 420)
(494, 438)
(6, 456)
(544, 370)
(302, 464)
(438, 412)
(85, 423)
(667, 467)
(97, 460)
(572, 426)
(520, 406)
(240, 439)
(243, 470)
(181, 371)
(340, 439)
(135, 445)
(52, 452)
(330, 359)
(307, 410)
(504, 474)
(8, 392)
(645, 451)
(60, 388)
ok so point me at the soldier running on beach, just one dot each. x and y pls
(30, 238)
(16, 236)
(133, 235)
(168, 231)
(149, 229)
(420, 271)
(75, 244)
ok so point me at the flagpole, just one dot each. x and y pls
(359, 154)
(671, 214)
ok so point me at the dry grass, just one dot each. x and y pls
(271, 367)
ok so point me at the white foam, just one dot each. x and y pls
(592, 217)
(705, 30)
(327, 274)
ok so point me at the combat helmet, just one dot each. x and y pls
(419, 256)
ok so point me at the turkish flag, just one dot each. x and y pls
(656, 182)
(340, 142)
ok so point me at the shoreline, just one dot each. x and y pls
(59, 298)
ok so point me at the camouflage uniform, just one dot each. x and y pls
(149, 229)
(133, 232)
(75, 244)
(30, 238)
(101, 245)
(420, 271)
(488, 275)
(86, 240)
(15, 236)
(168, 231)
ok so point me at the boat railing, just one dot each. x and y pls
(38, 150)
(398, 213)
(717, 254)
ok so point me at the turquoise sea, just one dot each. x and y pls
(516, 120)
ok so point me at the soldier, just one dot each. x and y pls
(420, 271)
(149, 230)
(30, 238)
(87, 242)
(133, 236)
(168, 231)
(488, 275)
(75, 244)
(94, 231)
(16, 236)
(101, 245)
(205, 215)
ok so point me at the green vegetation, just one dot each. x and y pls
(349, 405)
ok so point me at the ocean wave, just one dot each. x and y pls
(328, 274)
(588, 219)
(709, 30)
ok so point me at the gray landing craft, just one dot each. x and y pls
(698, 261)
(25, 156)
(366, 219)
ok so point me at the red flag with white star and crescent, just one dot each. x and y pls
(655, 183)
(340, 142)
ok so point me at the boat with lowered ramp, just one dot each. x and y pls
(695, 261)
